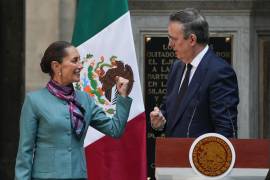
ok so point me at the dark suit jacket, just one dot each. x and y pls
(210, 102)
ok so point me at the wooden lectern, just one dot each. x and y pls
(172, 159)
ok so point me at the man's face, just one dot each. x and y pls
(181, 46)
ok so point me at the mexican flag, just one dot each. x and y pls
(103, 36)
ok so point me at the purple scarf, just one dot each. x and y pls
(67, 93)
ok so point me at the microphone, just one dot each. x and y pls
(230, 118)
(194, 110)
(191, 119)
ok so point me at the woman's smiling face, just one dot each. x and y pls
(68, 71)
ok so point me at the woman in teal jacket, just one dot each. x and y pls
(54, 120)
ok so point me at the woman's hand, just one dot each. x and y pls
(122, 85)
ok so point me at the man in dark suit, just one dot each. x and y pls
(202, 91)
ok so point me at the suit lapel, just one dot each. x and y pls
(193, 87)
(179, 75)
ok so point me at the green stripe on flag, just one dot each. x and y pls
(94, 15)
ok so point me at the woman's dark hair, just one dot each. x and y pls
(55, 52)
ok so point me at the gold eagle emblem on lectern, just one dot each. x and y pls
(212, 156)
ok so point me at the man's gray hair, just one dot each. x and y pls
(193, 23)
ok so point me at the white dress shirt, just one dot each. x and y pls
(195, 63)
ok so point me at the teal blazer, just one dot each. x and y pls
(47, 147)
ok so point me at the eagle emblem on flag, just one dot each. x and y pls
(98, 79)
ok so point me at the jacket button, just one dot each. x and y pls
(69, 149)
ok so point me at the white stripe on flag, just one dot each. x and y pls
(117, 40)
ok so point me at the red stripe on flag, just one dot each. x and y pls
(119, 159)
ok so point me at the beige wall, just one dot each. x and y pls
(46, 22)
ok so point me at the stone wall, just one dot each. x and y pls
(11, 82)
(46, 22)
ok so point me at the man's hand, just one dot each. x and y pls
(157, 119)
